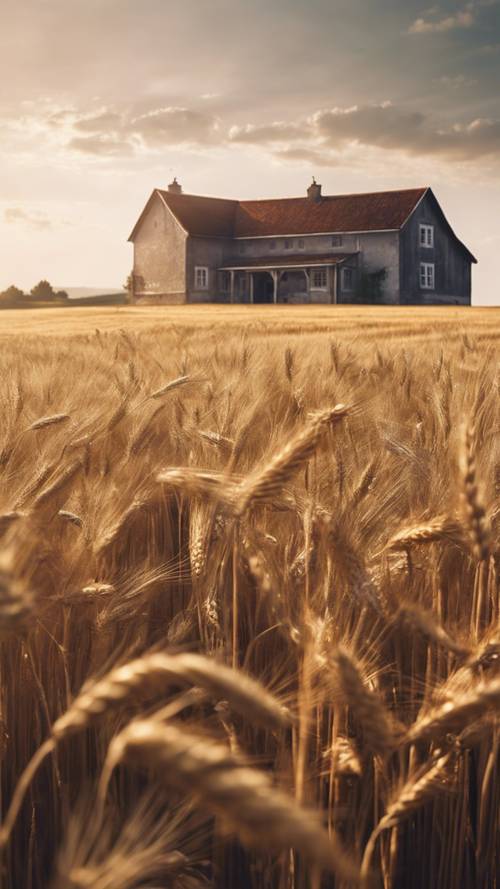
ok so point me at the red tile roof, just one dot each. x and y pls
(203, 217)
(336, 213)
(297, 260)
(216, 217)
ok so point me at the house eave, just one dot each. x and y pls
(371, 231)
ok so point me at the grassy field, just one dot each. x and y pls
(249, 598)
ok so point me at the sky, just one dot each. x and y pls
(108, 99)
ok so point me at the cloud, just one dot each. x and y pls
(313, 156)
(101, 146)
(412, 132)
(463, 18)
(96, 123)
(328, 133)
(278, 131)
(174, 126)
(124, 133)
(17, 215)
(460, 81)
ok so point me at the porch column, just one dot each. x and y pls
(308, 283)
(251, 287)
(232, 285)
(334, 288)
(275, 277)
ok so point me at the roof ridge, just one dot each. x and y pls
(348, 194)
(208, 197)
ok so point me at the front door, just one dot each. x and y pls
(263, 287)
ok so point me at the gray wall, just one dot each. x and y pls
(160, 256)
(380, 250)
(452, 266)
(209, 252)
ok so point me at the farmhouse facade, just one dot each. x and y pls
(390, 247)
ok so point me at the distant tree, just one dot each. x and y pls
(43, 291)
(11, 295)
(129, 287)
(61, 294)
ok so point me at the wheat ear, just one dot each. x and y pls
(197, 483)
(378, 730)
(244, 797)
(267, 483)
(428, 624)
(169, 387)
(58, 486)
(428, 532)
(416, 791)
(453, 716)
(476, 513)
(244, 694)
(54, 420)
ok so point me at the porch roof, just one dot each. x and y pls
(300, 261)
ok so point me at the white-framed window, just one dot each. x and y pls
(319, 279)
(426, 235)
(347, 279)
(302, 243)
(427, 276)
(336, 240)
(288, 243)
(201, 277)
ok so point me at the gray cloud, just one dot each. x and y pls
(173, 125)
(123, 133)
(384, 126)
(390, 127)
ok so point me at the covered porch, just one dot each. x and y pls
(304, 279)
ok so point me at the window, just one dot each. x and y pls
(336, 240)
(201, 277)
(272, 245)
(347, 279)
(288, 243)
(427, 275)
(301, 243)
(319, 279)
(225, 281)
(426, 235)
(242, 247)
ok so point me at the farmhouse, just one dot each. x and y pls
(389, 247)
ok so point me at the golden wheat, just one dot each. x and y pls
(343, 559)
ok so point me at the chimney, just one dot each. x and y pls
(174, 187)
(314, 192)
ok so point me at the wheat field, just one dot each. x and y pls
(249, 599)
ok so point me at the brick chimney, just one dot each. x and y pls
(174, 187)
(314, 192)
